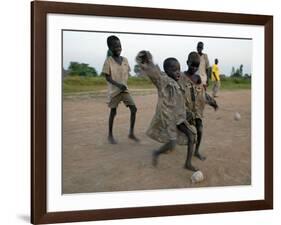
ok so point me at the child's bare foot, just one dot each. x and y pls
(188, 166)
(111, 140)
(155, 158)
(199, 156)
(133, 137)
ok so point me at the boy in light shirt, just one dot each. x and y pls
(204, 66)
(116, 71)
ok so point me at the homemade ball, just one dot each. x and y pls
(237, 116)
(197, 177)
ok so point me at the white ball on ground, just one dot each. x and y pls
(237, 116)
(197, 177)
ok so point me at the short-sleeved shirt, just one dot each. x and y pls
(188, 90)
(194, 95)
(204, 65)
(215, 72)
(200, 100)
(118, 73)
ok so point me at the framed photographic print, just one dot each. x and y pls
(99, 125)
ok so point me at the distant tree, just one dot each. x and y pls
(247, 76)
(81, 69)
(232, 71)
(137, 70)
(241, 70)
(237, 72)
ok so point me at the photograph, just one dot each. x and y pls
(145, 112)
(185, 121)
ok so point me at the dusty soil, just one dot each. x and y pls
(91, 164)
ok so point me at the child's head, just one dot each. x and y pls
(193, 62)
(172, 68)
(114, 45)
(216, 61)
(200, 46)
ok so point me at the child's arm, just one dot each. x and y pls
(214, 74)
(144, 60)
(109, 79)
(208, 69)
(211, 101)
(106, 71)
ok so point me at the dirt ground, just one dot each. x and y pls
(91, 164)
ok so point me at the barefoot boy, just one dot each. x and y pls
(169, 123)
(204, 66)
(195, 98)
(116, 70)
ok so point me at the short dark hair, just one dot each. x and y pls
(192, 55)
(200, 43)
(167, 63)
(112, 38)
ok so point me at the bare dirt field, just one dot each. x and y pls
(90, 164)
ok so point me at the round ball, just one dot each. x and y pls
(237, 116)
(197, 177)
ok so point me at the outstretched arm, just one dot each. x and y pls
(144, 60)
(211, 101)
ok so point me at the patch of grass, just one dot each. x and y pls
(235, 83)
(74, 84)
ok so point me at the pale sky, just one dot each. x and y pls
(91, 48)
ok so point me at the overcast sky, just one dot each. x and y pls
(91, 48)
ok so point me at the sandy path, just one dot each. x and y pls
(90, 164)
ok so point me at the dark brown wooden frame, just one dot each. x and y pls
(39, 11)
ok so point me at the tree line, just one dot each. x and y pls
(238, 73)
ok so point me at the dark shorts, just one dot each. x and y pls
(124, 97)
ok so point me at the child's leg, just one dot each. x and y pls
(199, 129)
(129, 102)
(112, 115)
(214, 89)
(133, 110)
(190, 145)
(163, 149)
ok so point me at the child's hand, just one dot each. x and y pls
(144, 57)
(190, 116)
(122, 87)
(215, 105)
(196, 79)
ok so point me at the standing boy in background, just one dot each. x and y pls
(204, 67)
(216, 78)
(116, 70)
